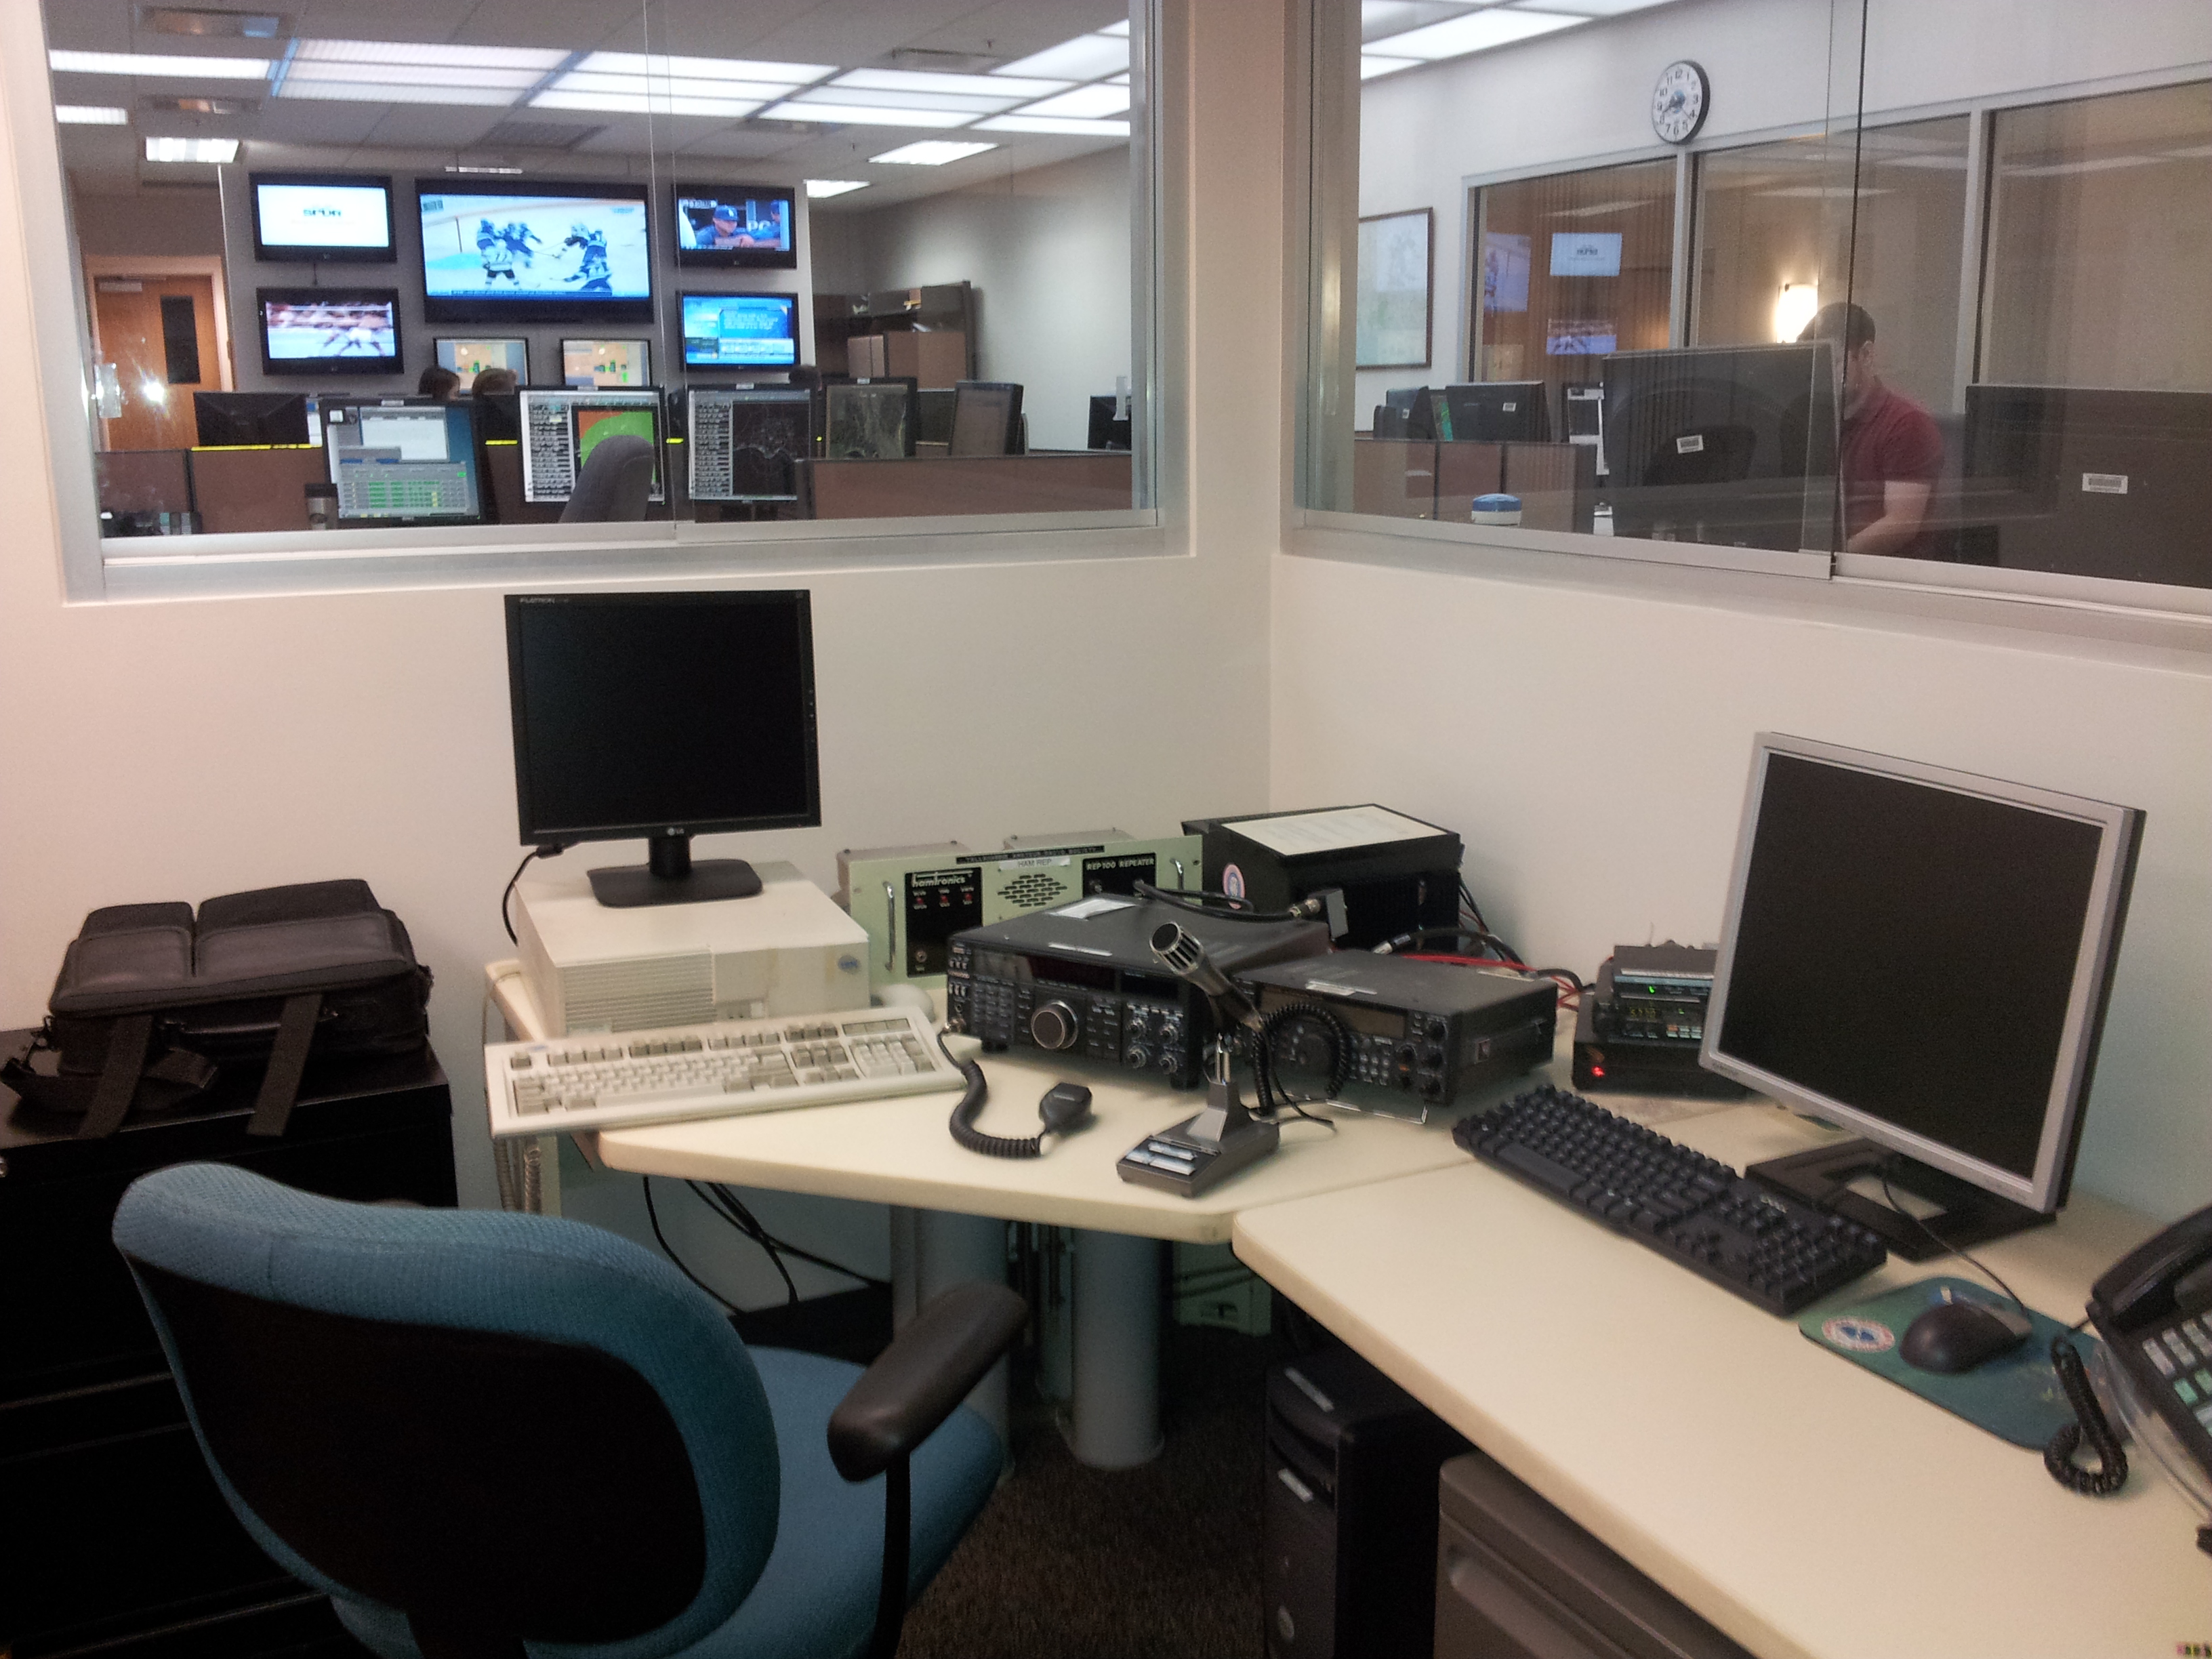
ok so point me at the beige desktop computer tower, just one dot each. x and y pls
(789, 950)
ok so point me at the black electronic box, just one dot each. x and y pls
(1643, 1025)
(1398, 873)
(1430, 1030)
(1082, 979)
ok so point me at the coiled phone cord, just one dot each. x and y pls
(2059, 1456)
(1261, 1050)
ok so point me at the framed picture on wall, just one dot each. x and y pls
(1391, 304)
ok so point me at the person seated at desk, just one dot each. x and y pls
(495, 383)
(1892, 449)
(438, 382)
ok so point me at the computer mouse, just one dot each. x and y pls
(1957, 1336)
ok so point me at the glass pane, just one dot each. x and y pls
(862, 261)
(2089, 431)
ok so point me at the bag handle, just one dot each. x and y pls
(128, 1040)
(287, 1060)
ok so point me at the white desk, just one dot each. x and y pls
(1806, 1507)
(898, 1152)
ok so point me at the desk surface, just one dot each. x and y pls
(899, 1151)
(1806, 1507)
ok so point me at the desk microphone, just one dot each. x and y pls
(1186, 959)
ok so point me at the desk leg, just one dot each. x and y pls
(932, 1251)
(1117, 1350)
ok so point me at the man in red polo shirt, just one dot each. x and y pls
(1891, 450)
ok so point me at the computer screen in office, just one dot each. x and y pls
(740, 330)
(1499, 411)
(402, 461)
(1922, 955)
(541, 252)
(606, 362)
(869, 419)
(469, 358)
(984, 415)
(561, 429)
(662, 715)
(743, 444)
(313, 216)
(329, 330)
(737, 226)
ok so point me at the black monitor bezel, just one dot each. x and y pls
(717, 367)
(731, 259)
(567, 834)
(514, 310)
(371, 400)
(294, 253)
(644, 340)
(763, 394)
(395, 364)
(2045, 1189)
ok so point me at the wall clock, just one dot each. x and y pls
(1679, 102)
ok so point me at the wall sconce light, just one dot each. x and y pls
(1793, 307)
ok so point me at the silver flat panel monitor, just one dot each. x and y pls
(872, 420)
(1921, 956)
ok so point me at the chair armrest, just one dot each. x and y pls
(916, 1381)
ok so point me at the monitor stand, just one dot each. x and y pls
(670, 877)
(1965, 1215)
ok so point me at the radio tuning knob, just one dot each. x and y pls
(1136, 1056)
(1055, 1026)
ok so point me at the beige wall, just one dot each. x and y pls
(172, 220)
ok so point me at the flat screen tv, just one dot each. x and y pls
(737, 226)
(740, 330)
(537, 252)
(301, 217)
(329, 330)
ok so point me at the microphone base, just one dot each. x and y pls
(1202, 1150)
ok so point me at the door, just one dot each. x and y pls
(159, 332)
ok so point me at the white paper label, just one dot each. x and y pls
(2105, 483)
(1103, 905)
(1331, 831)
(1690, 443)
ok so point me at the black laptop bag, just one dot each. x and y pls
(153, 1003)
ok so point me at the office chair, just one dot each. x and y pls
(474, 1431)
(615, 484)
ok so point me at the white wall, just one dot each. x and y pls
(1584, 94)
(1047, 251)
(176, 750)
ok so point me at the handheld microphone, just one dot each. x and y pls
(1186, 959)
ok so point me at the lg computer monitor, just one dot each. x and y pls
(1731, 445)
(399, 461)
(1921, 956)
(1499, 411)
(535, 253)
(737, 226)
(344, 217)
(740, 330)
(329, 330)
(663, 716)
(469, 357)
(744, 444)
(561, 429)
(606, 362)
(872, 420)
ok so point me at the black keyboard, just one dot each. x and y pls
(1771, 1250)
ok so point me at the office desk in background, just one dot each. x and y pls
(1807, 1508)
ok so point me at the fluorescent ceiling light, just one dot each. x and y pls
(91, 115)
(640, 103)
(2193, 153)
(309, 70)
(932, 153)
(2094, 164)
(1371, 65)
(1820, 192)
(1600, 7)
(220, 151)
(1000, 87)
(1054, 124)
(1622, 204)
(1084, 103)
(709, 69)
(861, 115)
(1121, 28)
(482, 64)
(966, 103)
(161, 63)
(1475, 31)
(1085, 57)
(668, 86)
(821, 189)
(396, 92)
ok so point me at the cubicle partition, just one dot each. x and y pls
(935, 487)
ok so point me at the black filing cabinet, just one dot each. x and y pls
(1349, 1527)
(112, 1536)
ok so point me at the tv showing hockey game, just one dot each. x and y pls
(540, 252)
(329, 330)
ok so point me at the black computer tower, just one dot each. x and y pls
(1349, 1524)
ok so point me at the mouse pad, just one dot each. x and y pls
(2015, 1397)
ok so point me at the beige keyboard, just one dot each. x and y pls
(718, 1070)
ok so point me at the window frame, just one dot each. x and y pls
(1323, 151)
(96, 569)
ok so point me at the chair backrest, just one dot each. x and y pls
(499, 1427)
(615, 484)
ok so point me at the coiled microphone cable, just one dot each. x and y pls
(1064, 1109)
